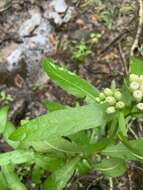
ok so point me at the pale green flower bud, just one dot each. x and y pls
(138, 95)
(110, 100)
(140, 106)
(133, 77)
(120, 105)
(110, 110)
(101, 96)
(102, 102)
(134, 86)
(97, 99)
(118, 95)
(108, 92)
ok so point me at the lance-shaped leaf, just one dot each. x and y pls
(9, 129)
(113, 167)
(3, 183)
(12, 179)
(59, 179)
(60, 123)
(53, 106)
(122, 123)
(3, 118)
(16, 157)
(135, 151)
(69, 81)
(123, 152)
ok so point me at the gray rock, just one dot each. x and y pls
(59, 5)
(35, 33)
(29, 25)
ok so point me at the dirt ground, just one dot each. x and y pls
(22, 78)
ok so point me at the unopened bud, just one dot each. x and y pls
(110, 100)
(97, 99)
(134, 85)
(110, 110)
(101, 96)
(133, 77)
(117, 95)
(140, 106)
(102, 102)
(138, 95)
(108, 92)
(120, 105)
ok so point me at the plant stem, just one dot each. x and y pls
(111, 184)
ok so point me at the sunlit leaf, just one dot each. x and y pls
(69, 81)
(60, 123)
(16, 157)
(12, 179)
(3, 118)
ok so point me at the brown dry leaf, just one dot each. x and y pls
(19, 81)
(110, 56)
(80, 22)
(52, 40)
(105, 68)
(95, 18)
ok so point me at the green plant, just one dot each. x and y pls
(107, 17)
(5, 98)
(81, 51)
(95, 36)
(65, 140)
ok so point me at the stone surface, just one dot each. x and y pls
(59, 5)
(37, 38)
(29, 25)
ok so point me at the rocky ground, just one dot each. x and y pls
(33, 29)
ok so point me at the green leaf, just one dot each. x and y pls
(16, 157)
(69, 81)
(50, 162)
(136, 66)
(9, 129)
(121, 151)
(37, 172)
(126, 93)
(3, 118)
(53, 106)
(122, 124)
(52, 126)
(113, 167)
(3, 183)
(135, 151)
(46, 163)
(55, 144)
(83, 167)
(12, 179)
(59, 179)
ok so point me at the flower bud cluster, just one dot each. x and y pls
(112, 98)
(136, 87)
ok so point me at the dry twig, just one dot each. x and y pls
(123, 59)
(139, 30)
